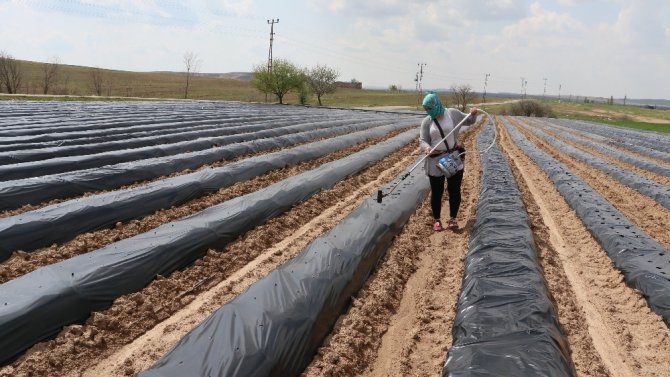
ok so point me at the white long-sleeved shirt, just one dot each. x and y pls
(429, 136)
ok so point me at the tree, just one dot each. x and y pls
(97, 80)
(322, 81)
(191, 63)
(284, 77)
(49, 74)
(11, 74)
(462, 95)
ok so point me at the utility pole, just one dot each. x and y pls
(486, 79)
(559, 92)
(625, 97)
(523, 79)
(418, 83)
(545, 88)
(272, 34)
(525, 88)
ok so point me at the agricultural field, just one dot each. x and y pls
(160, 238)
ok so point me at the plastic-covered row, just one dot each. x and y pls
(621, 137)
(650, 139)
(65, 164)
(276, 326)
(16, 193)
(625, 157)
(115, 115)
(236, 127)
(659, 192)
(506, 323)
(644, 262)
(63, 221)
(37, 305)
(155, 128)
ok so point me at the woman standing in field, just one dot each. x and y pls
(439, 123)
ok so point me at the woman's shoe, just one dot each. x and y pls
(452, 223)
(437, 226)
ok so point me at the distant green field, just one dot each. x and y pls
(75, 84)
(640, 125)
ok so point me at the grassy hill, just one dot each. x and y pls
(76, 81)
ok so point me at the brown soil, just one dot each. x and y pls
(400, 323)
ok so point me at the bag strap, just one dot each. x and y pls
(442, 133)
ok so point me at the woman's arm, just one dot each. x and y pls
(457, 116)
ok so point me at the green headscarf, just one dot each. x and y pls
(433, 101)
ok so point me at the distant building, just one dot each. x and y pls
(353, 85)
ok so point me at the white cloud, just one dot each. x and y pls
(641, 26)
(542, 24)
(576, 2)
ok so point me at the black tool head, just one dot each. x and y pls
(379, 196)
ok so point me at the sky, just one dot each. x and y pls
(598, 48)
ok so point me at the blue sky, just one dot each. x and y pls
(588, 47)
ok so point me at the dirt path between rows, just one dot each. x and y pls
(610, 328)
(400, 322)
(643, 211)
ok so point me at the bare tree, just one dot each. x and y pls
(50, 74)
(11, 74)
(191, 63)
(97, 80)
(463, 95)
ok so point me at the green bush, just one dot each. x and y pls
(528, 108)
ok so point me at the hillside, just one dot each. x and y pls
(76, 81)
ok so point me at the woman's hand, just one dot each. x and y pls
(427, 150)
(473, 110)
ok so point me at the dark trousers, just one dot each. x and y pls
(437, 190)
